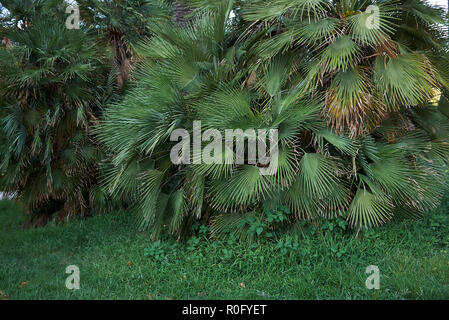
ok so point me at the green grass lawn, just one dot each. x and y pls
(116, 262)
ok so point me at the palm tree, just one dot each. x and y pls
(365, 71)
(121, 24)
(52, 90)
(181, 12)
(156, 189)
(358, 138)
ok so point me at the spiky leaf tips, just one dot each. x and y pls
(53, 87)
(368, 58)
(358, 137)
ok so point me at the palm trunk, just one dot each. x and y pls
(6, 41)
(180, 13)
(122, 56)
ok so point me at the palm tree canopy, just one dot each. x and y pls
(357, 136)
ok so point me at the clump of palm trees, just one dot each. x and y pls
(360, 134)
(52, 80)
(54, 84)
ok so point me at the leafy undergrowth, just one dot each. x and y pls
(115, 262)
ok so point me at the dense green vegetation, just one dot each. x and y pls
(117, 263)
(358, 136)
(87, 114)
(55, 86)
